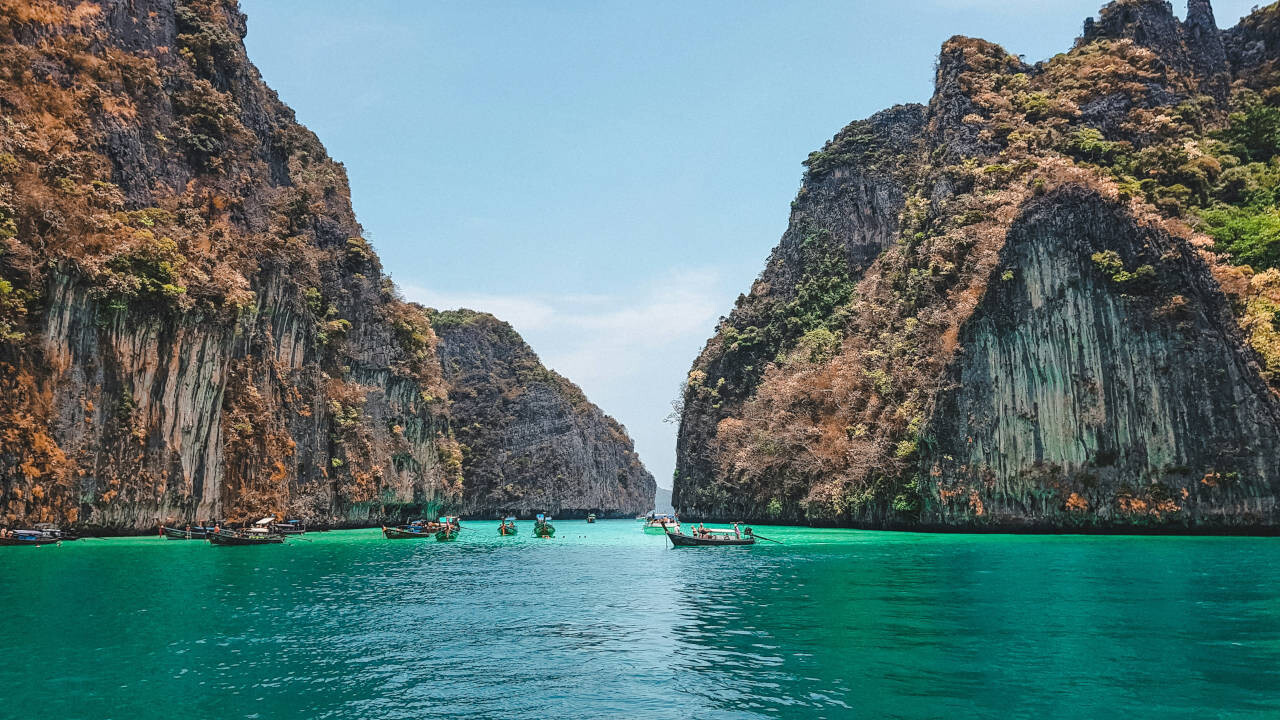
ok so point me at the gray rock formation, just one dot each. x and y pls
(191, 325)
(531, 441)
(990, 313)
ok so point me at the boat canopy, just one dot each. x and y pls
(510, 519)
(266, 521)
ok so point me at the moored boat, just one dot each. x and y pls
(289, 527)
(198, 532)
(55, 533)
(591, 518)
(704, 537)
(252, 536)
(26, 537)
(408, 532)
(543, 528)
(658, 524)
(448, 533)
(507, 527)
(419, 529)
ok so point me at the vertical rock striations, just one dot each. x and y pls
(531, 441)
(191, 324)
(1069, 316)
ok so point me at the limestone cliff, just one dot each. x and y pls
(191, 323)
(1047, 300)
(531, 441)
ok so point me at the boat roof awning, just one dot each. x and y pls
(266, 521)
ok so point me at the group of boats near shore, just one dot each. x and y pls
(274, 531)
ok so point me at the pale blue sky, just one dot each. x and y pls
(606, 176)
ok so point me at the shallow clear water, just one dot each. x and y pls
(605, 621)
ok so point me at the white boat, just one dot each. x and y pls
(659, 524)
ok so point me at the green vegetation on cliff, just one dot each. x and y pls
(956, 234)
(192, 324)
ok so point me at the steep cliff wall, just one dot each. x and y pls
(531, 441)
(1088, 398)
(191, 324)
(844, 216)
(1040, 338)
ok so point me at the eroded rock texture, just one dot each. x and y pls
(191, 325)
(531, 441)
(1045, 301)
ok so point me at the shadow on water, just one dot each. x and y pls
(605, 621)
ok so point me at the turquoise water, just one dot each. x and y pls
(605, 621)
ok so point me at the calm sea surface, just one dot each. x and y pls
(605, 621)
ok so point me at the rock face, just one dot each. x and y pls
(531, 441)
(999, 311)
(191, 325)
(662, 501)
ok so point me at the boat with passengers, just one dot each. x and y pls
(419, 529)
(260, 533)
(659, 523)
(542, 527)
(701, 536)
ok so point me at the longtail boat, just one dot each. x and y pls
(289, 527)
(591, 518)
(409, 532)
(658, 524)
(26, 537)
(53, 532)
(189, 533)
(245, 537)
(543, 527)
(418, 529)
(508, 527)
(709, 538)
(448, 533)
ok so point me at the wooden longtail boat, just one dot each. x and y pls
(53, 532)
(543, 527)
(409, 532)
(591, 518)
(448, 533)
(728, 537)
(508, 527)
(238, 537)
(191, 533)
(289, 527)
(26, 537)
